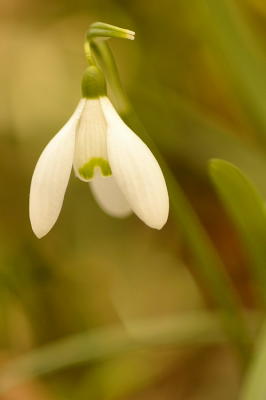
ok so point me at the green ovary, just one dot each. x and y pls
(87, 170)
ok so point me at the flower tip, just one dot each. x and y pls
(157, 220)
(38, 232)
(158, 224)
(130, 35)
(39, 236)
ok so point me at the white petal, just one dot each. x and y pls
(91, 149)
(136, 170)
(109, 196)
(51, 176)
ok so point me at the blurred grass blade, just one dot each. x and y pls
(245, 63)
(206, 260)
(254, 387)
(190, 124)
(192, 329)
(217, 140)
(247, 210)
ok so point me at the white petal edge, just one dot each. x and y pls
(135, 170)
(51, 176)
(108, 195)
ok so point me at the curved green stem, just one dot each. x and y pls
(101, 30)
(89, 53)
(106, 60)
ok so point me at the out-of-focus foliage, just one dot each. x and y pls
(247, 210)
(92, 272)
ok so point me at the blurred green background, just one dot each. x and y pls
(195, 75)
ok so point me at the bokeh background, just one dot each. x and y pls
(184, 77)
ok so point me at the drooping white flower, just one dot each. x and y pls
(123, 174)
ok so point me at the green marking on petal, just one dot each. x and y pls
(87, 170)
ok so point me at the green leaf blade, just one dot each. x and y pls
(254, 387)
(247, 210)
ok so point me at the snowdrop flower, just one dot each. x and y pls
(122, 172)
